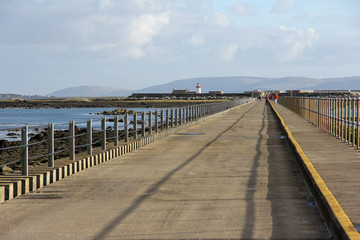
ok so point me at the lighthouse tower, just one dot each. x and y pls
(198, 88)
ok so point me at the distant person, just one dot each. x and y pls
(276, 97)
(267, 99)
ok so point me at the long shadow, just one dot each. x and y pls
(291, 201)
(116, 221)
(250, 205)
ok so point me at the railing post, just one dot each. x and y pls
(25, 151)
(162, 120)
(353, 122)
(103, 133)
(318, 112)
(358, 123)
(330, 116)
(51, 145)
(176, 116)
(183, 115)
(167, 118)
(345, 119)
(72, 140)
(338, 106)
(135, 125)
(143, 124)
(172, 117)
(116, 131)
(342, 118)
(89, 136)
(192, 113)
(334, 112)
(126, 128)
(156, 121)
(150, 122)
(349, 121)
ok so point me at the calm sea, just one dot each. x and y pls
(12, 119)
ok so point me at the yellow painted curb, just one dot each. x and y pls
(331, 201)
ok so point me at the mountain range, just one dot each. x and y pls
(91, 91)
(241, 84)
(226, 84)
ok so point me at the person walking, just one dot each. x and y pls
(276, 97)
(267, 99)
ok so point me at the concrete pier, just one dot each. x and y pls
(232, 176)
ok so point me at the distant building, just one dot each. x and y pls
(180, 91)
(216, 92)
(255, 93)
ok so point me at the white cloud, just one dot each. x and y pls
(298, 41)
(196, 40)
(241, 9)
(283, 6)
(227, 53)
(145, 27)
(221, 20)
(106, 4)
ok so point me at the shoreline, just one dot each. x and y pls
(99, 102)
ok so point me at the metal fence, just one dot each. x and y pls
(134, 126)
(337, 116)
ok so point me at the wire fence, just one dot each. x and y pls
(52, 144)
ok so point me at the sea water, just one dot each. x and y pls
(12, 119)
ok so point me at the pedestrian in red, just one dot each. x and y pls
(276, 97)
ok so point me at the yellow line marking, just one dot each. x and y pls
(337, 210)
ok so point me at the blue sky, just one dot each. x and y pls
(47, 45)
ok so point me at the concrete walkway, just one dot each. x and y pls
(228, 177)
(337, 163)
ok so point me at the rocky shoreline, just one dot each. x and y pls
(97, 103)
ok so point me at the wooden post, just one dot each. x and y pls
(89, 136)
(156, 121)
(353, 122)
(172, 117)
(349, 121)
(25, 151)
(72, 140)
(150, 122)
(135, 125)
(103, 133)
(143, 124)
(358, 123)
(162, 120)
(126, 128)
(51, 145)
(167, 119)
(176, 117)
(116, 131)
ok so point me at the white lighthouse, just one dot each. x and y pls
(198, 88)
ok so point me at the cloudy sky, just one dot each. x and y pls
(48, 45)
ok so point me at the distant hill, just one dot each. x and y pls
(241, 84)
(91, 91)
(233, 84)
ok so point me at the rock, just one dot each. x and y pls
(5, 170)
(12, 134)
(4, 143)
(120, 111)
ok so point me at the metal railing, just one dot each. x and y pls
(337, 116)
(134, 125)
